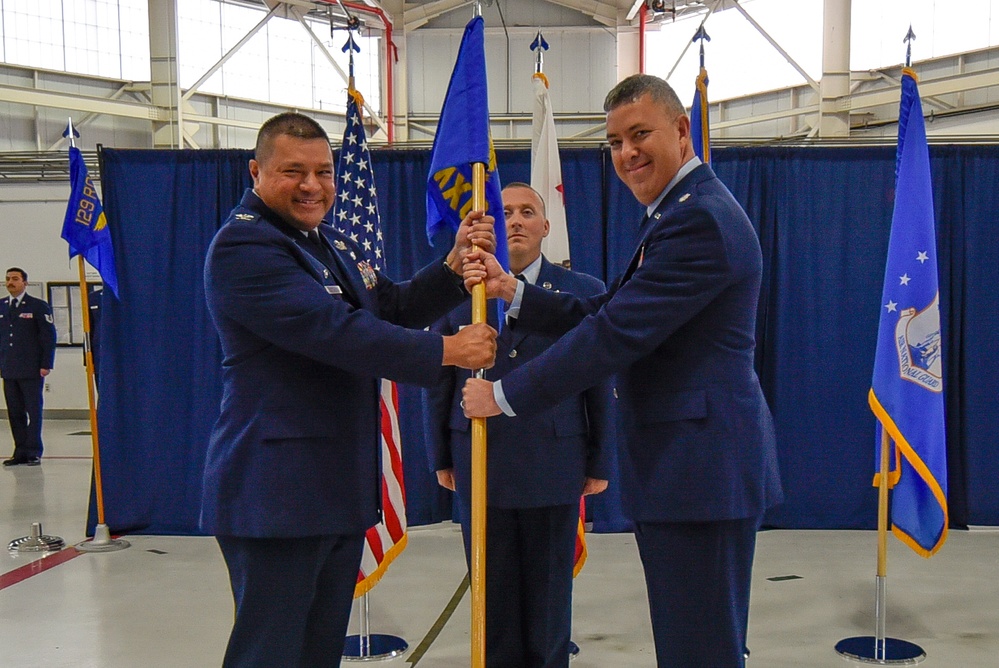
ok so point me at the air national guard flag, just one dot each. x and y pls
(907, 390)
(546, 172)
(85, 227)
(463, 139)
(699, 118)
(355, 213)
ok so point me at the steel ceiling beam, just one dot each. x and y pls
(94, 105)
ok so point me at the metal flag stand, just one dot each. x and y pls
(878, 649)
(36, 541)
(102, 541)
(365, 646)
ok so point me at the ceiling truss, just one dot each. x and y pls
(871, 93)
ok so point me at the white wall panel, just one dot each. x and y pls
(579, 64)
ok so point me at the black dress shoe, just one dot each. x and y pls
(18, 461)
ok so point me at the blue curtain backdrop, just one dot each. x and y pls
(823, 216)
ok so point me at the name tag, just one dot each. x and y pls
(27, 315)
(334, 290)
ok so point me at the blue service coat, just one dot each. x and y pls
(295, 450)
(28, 339)
(536, 460)
(678, 327)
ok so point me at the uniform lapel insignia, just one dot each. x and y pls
(352, 256)
(326, 273)
(547, 285)
(684, 197)
(244, 216)
(340, 246)
(657, 216)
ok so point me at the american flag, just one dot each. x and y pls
(355, 214)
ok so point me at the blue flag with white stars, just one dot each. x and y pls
(907, 389)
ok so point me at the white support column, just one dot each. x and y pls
(396, 10)
(627, 50)
(400, 81)
(834, 108)
(164, 72)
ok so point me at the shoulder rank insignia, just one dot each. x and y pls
(244, 216)
(339, 245)
(684, 197)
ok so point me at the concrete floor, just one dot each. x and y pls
(165, 601)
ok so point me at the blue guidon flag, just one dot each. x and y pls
(85, 227)
(463, 139)
(907, 389)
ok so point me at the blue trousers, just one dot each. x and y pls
(293, 598)
(24, 409)
(529, 560)
(698, 578)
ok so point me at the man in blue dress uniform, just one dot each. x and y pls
(538, 466)
(308, 328)
(27, 354)
(679, 330)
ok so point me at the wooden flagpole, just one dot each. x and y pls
(478, 574)
(88, 356)
(102, 541)
(882, 573)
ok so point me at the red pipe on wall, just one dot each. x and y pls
(641, 38)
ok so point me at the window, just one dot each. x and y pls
(741, 62)
(280, 64)
(110, 38)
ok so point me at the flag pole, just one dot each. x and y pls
(701, 128)
(102, 541)
(479, 469)
(478, 575)
(881, 579)
(881, 650)
(365, 646)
